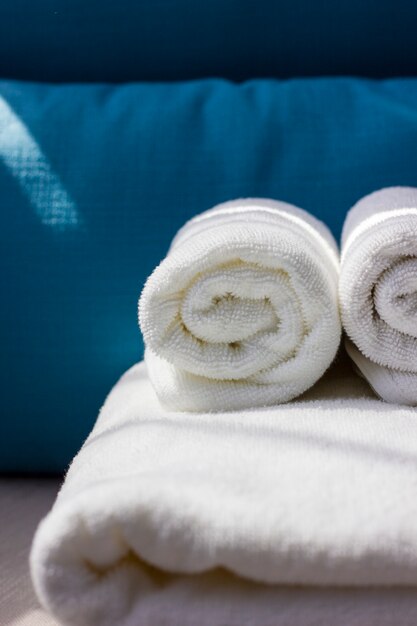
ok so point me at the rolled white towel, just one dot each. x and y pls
(243, 311)
(378, 291)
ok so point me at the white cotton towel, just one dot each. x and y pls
(166, 519)
(378, 291)
(243, 311)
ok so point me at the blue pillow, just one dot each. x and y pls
(94, 183)
(128, 40)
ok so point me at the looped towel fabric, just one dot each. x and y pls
(378, 291)
(243, 311)
(302, 514)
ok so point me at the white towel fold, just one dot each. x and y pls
(378, 291)
(166, 519)
(243, 311)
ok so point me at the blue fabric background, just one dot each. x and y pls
(95, 181)
(126, 40)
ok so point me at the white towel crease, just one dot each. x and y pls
(243, 311)
(282, 516)
(378, 291)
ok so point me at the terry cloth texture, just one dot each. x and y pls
(243, 311)
(378, 291)
(177, 519)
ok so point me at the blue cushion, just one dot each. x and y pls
(95, 181)
(127, 40)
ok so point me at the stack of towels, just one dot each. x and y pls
(203, 497)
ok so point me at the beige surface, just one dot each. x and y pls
(23, 503)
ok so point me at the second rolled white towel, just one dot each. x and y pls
(243, 311)
(378, 291)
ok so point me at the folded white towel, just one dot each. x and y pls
(378, 291)
(243, 311)
(164, 517)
